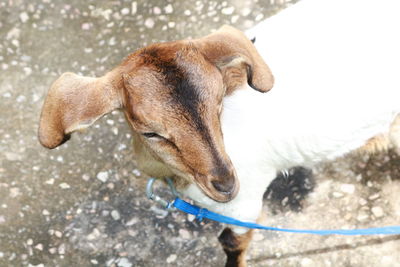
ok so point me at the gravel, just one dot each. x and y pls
(83, 204)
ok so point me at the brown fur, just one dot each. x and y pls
(75, 102)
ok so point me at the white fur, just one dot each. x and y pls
(337, 83)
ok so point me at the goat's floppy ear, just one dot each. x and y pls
(229, 49)
(75, 102)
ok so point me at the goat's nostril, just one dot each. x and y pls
(223, 187)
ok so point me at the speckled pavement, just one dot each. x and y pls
(83, 204)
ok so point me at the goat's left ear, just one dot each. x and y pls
(237, 58)
(75, 102)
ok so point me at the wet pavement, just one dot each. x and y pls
(83, 204)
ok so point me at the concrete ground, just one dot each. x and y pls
(83, 204)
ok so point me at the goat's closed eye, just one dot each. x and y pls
(152, 135)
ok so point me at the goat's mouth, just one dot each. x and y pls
(219, 191)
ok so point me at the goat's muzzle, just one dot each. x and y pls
(220, 188)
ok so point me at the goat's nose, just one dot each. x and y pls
(224, 187)
(224, 179)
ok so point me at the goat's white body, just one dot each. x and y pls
(337, 84)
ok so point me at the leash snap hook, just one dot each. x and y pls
(168, 205)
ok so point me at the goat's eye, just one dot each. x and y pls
(152, 135)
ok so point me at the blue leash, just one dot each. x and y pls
(204, 213)
(201, 213)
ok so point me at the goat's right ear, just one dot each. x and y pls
(237, 58)
(75, 102)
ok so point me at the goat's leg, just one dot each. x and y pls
(235, 246)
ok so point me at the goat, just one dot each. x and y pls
(171, 95)
(195, 117)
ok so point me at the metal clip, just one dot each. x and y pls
(150, 194)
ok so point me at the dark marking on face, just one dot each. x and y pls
(184, 92)
(187, 98)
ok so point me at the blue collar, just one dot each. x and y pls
(201, 213)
